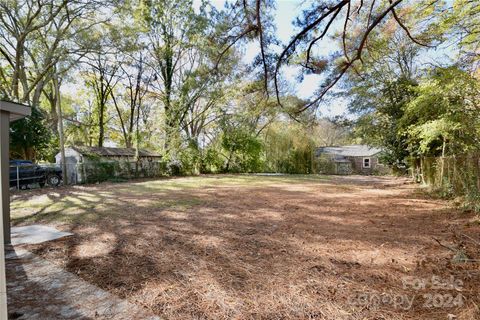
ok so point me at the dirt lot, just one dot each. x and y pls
(266, 247)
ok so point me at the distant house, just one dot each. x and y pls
(353, 159)
(80, 158)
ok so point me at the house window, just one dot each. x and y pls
(366, 162)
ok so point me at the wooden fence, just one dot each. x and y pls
(452, 176)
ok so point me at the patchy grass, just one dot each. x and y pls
(88, 203)
(259, 247)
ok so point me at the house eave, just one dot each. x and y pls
(16, 110)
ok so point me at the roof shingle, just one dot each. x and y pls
(114, 152)
(359, 150)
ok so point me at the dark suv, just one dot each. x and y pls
(24, 172)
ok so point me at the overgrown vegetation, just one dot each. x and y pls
(425, 115)
(124, 73)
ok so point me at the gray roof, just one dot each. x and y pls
(114, 152)
(358, 150)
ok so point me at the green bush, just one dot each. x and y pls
(100, 171)
(212, 161)
(243, 151)
(324, 165)
(190, 159)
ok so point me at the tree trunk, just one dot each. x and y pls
(422, 170)
(60, 128)
(101, 129)
(442, 168)
(477, 162)
(137, 143)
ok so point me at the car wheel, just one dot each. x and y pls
(53, 180)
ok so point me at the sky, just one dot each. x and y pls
(285, 13)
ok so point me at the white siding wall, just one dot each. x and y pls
(69, 153)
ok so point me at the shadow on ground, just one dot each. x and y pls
(259, 247)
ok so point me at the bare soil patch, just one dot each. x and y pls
(256, 247)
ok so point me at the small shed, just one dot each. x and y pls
(351, 159)
(85, 155)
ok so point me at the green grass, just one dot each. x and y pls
(92, 202)
(216, 180)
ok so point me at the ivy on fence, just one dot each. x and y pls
(93, 170)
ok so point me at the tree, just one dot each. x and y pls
(289, 147)
(463, 25)
(206, 91)
(245, 21)
(33, 39)
(444, 118)
(30, 136)
(101, 78)
(329, 132)
(81, 121)
(135, 86)
(358, 20)
(173, 52)
(37, 38)
(242, 148)
(380, 90)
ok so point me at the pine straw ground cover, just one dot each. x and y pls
(266, 247)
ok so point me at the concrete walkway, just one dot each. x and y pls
(38, 289)
(36, 233)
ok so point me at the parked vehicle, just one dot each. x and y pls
(24, 172)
